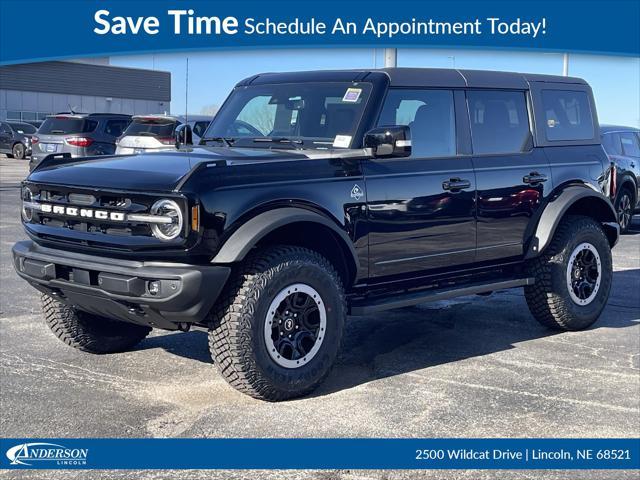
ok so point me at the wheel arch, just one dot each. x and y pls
(628, 182)
(573, 200)
(283, 226)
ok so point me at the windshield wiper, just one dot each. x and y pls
(291, 141)
(228, 141)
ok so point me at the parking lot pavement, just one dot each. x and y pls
(472, 367)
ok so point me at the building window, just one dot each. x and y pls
(13, 115)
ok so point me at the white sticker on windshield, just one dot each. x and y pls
(352, 95)
(342, 141)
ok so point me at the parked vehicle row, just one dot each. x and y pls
(95, 134)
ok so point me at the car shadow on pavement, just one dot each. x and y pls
(420, 337)
(192, 344)
(401, 341)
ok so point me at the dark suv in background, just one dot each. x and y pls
(622, 144)
(15, 139)
(79, 134)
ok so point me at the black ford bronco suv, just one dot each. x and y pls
(315, 195)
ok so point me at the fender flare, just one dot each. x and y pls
(558, 206)
(238, 245)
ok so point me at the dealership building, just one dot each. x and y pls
(30, 92)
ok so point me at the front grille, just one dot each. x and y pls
(89, 217)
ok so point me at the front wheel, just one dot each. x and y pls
(278, 328)
(90, 333)
(572, 277)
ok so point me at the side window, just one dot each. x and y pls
(4, 128)
(630, 145)
(499, 121)
(567, 115)
(200, 127)
(611, 143)
(116, 127)
(429, 114)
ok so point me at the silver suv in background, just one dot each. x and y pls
(80, 134)
(157, 132)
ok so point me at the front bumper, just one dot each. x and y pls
(120, 289)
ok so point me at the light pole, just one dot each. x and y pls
(390, 57)
(565, 64)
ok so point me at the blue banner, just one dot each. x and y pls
(32, 30)
(452, 453)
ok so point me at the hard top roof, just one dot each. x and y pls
(617, 128)
(416, 77)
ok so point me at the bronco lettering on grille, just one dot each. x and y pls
(82, 212)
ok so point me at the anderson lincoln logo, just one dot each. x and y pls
(47, 453)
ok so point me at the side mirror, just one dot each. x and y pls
(393, 141)
(184, 136)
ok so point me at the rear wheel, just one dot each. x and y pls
(624, 207)
(90, 333)
(572, 277)
(18, 151)
(278, 328)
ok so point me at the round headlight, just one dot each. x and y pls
(27, 197)
(167, 231)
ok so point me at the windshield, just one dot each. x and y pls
(65, 125)
(310, 115)
(23, 128)
(155, 127)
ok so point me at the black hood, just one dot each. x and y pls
(158, 171)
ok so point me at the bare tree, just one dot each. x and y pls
(211, 109)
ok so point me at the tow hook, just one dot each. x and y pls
(184, 326)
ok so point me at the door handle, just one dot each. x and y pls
(534, 177)
(455, 184)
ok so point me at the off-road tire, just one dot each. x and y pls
(237, 336)
(90, 333)
(548, 298)
(625, 206)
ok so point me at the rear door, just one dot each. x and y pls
(421, 208)
(513, 177)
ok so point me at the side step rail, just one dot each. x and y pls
(415, 298)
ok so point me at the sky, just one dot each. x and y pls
(615, 79)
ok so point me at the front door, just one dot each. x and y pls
(421, 208)
(512, 176)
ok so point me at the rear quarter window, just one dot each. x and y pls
(567, 115)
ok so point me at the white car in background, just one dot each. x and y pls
(157, 132)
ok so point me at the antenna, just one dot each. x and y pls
(186, 94)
